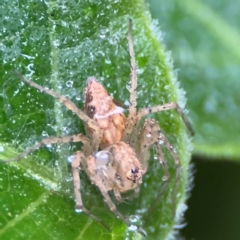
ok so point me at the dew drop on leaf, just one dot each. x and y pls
(135, 222)
(77, 210)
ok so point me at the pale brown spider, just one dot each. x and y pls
(124, 157)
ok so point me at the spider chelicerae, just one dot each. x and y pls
(124, 143)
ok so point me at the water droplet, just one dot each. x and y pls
(15, 92)
(78, 98)
(69, 83)
(132, 228)
(171, 147)
(128, 87)
(65, 130)
(165, 178)
(161, 141)
(1, 148)
(107, 61)
(134, 218)
(127, 103)
(22, 22)
(103, 32)
(56, 43)
(135, 222)
(70, 158)
(78, 210)
(44, 134)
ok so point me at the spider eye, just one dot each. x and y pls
(102, 158)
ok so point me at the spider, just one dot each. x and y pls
(125, 145)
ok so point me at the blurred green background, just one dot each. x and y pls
(204, 39)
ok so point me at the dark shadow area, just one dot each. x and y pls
(214, 205)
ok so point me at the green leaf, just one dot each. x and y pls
(59, 45)
(204, 38)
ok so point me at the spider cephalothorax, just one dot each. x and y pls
(124, 155)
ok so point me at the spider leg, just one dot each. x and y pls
(135, 194)
(97, 178)
(176, 158)
(117, 195)
(113, 208)
(147, 138)
(158, 139)
(162, 140)
(49, 140)
(133, 87)
(77, 186)
(165, 107)
(71, 106)
(131, 120)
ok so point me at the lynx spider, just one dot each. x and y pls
(124, 157)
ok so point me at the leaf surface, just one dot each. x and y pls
(59, 45)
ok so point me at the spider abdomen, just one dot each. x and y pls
(101, 107)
